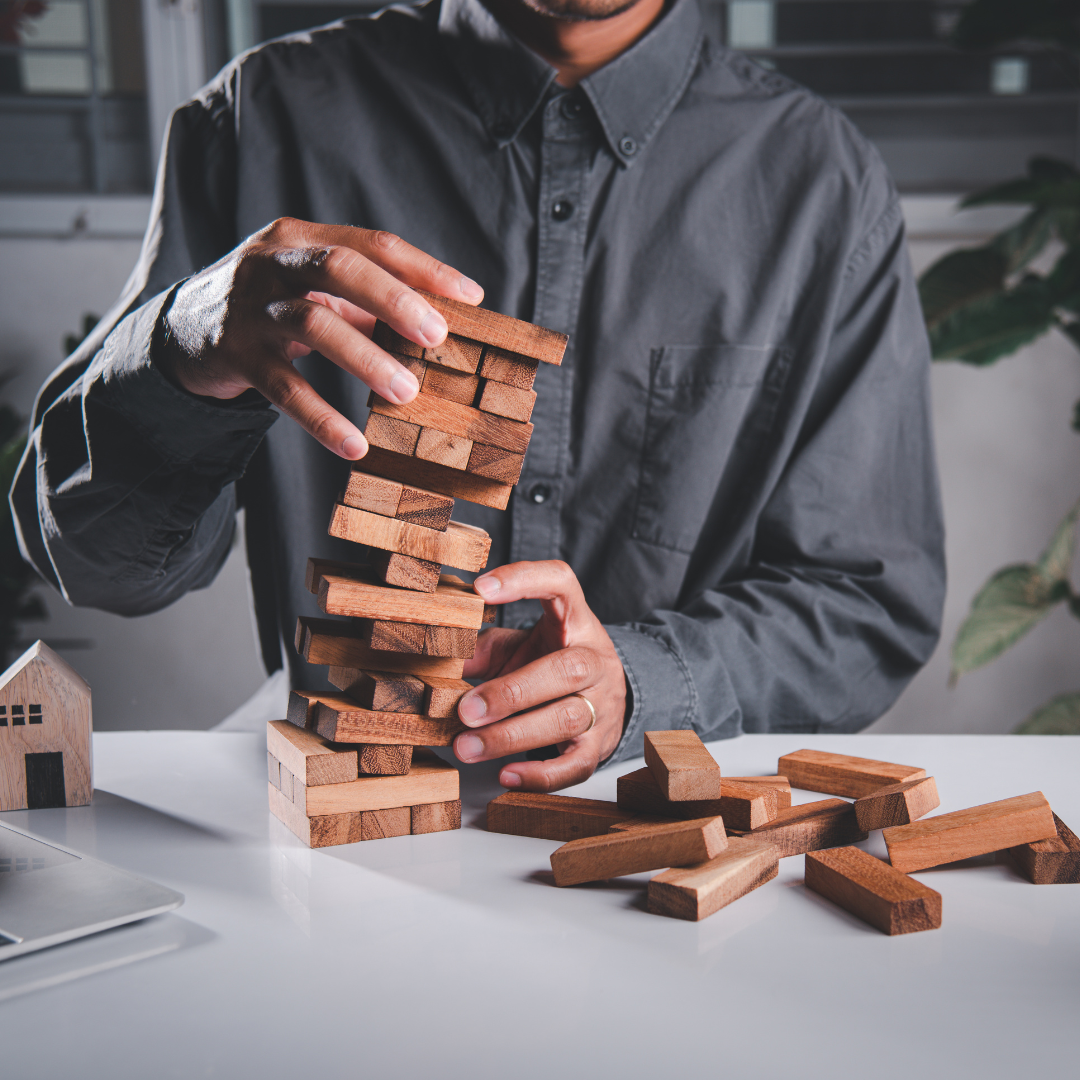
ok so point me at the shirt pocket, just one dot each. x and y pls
(710, 414)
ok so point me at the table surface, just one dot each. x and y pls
(452, 955)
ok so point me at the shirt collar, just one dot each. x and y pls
(632, 96)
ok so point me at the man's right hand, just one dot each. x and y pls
(295, 287)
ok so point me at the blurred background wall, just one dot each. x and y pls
(86, 87)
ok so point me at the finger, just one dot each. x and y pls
(556, 722)
(575, 766)
(493, 649)
(552, 582)
(282, 385)
(356, 317)
(547, 679)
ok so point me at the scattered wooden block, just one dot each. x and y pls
(405, 572)
(429, 780)
(779, 784)
(873, 890)
(695, 892)
(428, 411)
(387, 691)
(810, 827)
(898, 804)
(385, 760)
(385, 635)
(741, 806)
(840, 774)
(449, 641)
(963, 834)
(389, 498)
(510, 369)
(441, 696)
(491, 328)
(436, 817)
(453, 385)
(427, 508)
(508, 401)
(456, 353)
(1055, 861)
(643, 821)
(463, 546)
(323, 831)
(391, 433)
(339, 719)
(594, 858)
(682, 766)
(308, 756)
(450, 450)
(382, 824)
(495, 463)
(432, 477)
(552, 817)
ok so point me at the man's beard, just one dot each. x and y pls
(581, 10)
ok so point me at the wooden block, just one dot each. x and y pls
(375, 494)
(463, 546)
(436, 817)
(839, 774)
(428, 411)
(594, 858)
(873, 890)
(432, 477)
(427, 781)
(427, 508)
(385, 760)
(552, 817)
(323, 831)
(300, 712)
(441, 696)
(1055, 861)
(387, 691)
(810, 827)
(273, 770)
(898, 804)
(741, 806)
(382, 824)
(508, 401)
(682, 766)
(695, 892)
(391, 341)
(509, 369)
(963, 834)
(285, 783)
(457, 353)
(405, 572)
(453, 385)
(449, 641)
(398, 637)
(495, 463)
(779, 784)
(450, 450)
(309, 757)
(391, 433)
(643, 821)
(345, 590)
(339, 719)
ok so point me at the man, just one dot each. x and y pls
(728, 518)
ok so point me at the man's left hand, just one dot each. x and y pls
(534, 678)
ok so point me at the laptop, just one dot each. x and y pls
(49, 895)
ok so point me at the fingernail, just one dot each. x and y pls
(433, 328)
(403, 386)
(469, 747)
(355, 446)
(487, 586)
(509, 779)
(470, 289)
(471, 708)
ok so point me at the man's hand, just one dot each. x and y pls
(533, 676)
(295, 287)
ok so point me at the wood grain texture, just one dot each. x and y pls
(385, 760)
(375, 494)
(873, 890)
(840, 774)
(491, 328)
(432, 477)
(810, 827)
(391, 433)
(449, 641)
(509, 401)
(419, 506)
(452, 385)
(594, 858)
(393, 342)
(383, 824)
(1055, 861)
(436, 817)
(405, 572)
(428, 411)
(429, 780)
(398, 637)
(308, 756)
(300, 712)
(463, 546)
(779, 784)
(286, 782)
(273, 770)
(339, 719)
(898, 804)
(741, 806)
(978, 830)
(682, 766)
(376, 660)
(444, 449)
(495, 463)
(457, 353)
(441, 696)
(552, 817)
(508, 368)
(695, 892)
(387, 691)
(325, 831)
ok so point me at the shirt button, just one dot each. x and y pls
(539, 493)
(628, 145)
(572, 107)
(561, 209)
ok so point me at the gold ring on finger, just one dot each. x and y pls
(592, 711)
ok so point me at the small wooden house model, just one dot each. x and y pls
(45, 727)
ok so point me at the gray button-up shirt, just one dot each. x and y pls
(735, 456)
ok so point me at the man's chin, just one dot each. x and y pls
(581, 10)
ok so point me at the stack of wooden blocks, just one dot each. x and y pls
(722, 837)
(356, 765)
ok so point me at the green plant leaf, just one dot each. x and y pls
(1049, 183)
(1013, 601)
(960, 278)
(1055, 563)
(1058, 717)
(1023, 242)
(1063, 282)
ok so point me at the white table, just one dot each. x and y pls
(447, 956)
